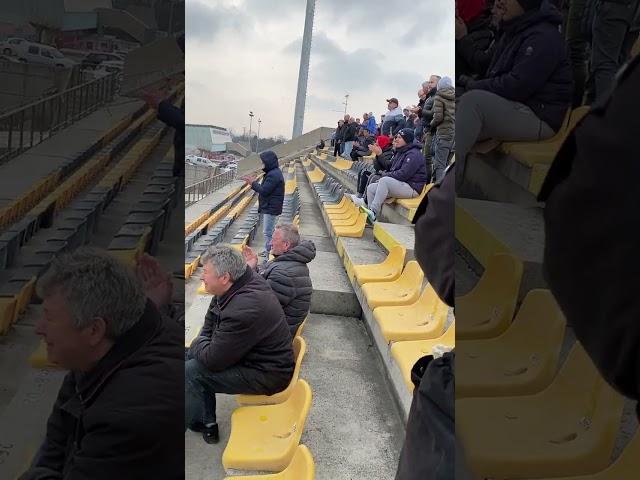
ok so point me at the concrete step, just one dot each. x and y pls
(499, 178)
(484, 228)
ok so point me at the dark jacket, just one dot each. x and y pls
(246, 326)
(408, 166)
(173, 116)
(123, 419)
(271, 190)
(382, 162)
(288, 276)
(444, 113)
(429, 449)
(427, 110)
(475, 50)
(530, 65)
(349, 132)
(592, 233)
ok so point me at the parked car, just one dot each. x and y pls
(7, 46)
(31, 52)
(93, 60)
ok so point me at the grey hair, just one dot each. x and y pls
(95, 284)
(290, 233)
(225, 259)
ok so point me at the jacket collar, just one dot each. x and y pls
(88, 384)
(237, 285)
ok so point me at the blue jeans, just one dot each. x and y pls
(442, 147)
(268, 226)
(348, 146)
(201, 386)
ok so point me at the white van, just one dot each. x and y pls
(30, 52)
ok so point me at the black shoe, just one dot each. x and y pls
(210, 434)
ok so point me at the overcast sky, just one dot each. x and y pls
(244, 55)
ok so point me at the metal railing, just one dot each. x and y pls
(196, 192)
(26, 126)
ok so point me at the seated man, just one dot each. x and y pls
(287, 273)
(405, 179)
(383, 151)
(527, 89)
(118, 411)
(244, 345)
(361, 147)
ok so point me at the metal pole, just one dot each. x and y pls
(250, 124)
(346, 102)
(303, 74)
(258, 140)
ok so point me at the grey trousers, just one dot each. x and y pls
(378, 192)
(481, 115)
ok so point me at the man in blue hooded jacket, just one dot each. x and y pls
(270, 195)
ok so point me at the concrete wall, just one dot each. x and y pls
(309, 139)
(195, 173)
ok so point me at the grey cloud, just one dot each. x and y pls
(321, 45)
(205, 23)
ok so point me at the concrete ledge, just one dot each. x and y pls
(332, 292)
(390, 234)
(485, 228)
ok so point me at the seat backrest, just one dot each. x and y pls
(539, 320)
(396, 257)
(449, 337)
(412, 274)
(300, 403)
(577, 115)
(301, 467)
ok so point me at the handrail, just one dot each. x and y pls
(197, 191)
(28, 125)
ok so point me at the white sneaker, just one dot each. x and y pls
(358, 201)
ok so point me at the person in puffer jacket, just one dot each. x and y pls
(288, 273)
(444, 121)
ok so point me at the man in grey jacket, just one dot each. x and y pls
(288, 273)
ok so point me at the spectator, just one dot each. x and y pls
(430, 87)
(444, 121)
(270, 195)
(362, 148)
(615, 29)
(288, 273)
(383, 152)
(125, 366)
(475, 36)
(528, 87)
(405, 179)
(394, 119)
(321, 145)
(371, 123)
(337, 145)
(244, 346)
(358, 122)
(349, 135)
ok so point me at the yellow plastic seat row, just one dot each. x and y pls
(190, 268)
(569, 428)
(300, 468)
(411, 204)
(355, 230)
(7, 313)
(521, 361)
(265, 437)
(404, 290)
(407, 353)
(389, 269)
(487, 310)
(421, 320)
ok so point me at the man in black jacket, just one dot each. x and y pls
(244, 345)
(348, 135)
(288, 273)
(117, 414)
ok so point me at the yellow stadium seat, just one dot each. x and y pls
(421, 320)
(301, 327)
(356, 230)
(24, 297)
(348, 207)
(414, 202)
(343, 164)
(386, 271)
(627, 465)
(345, 222)
(265, 437)
(39, 358)
(402, 291)
(349, 212)
(299, 349)
(521, 361)
(338, 206)
(487, 310)
(567, 429)
(300, 468)
(406, 354)
(7, 313)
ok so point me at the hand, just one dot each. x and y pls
(156, 283)
(248, 179)
(461, 28)
(375, 149)
(153, 97)
(250, 257)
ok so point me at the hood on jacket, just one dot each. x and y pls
(269, 160)
(395, 112)
(304, 252)
(444, 82)
(547, 13)
(448, 93)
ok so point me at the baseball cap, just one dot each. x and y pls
(394, 100)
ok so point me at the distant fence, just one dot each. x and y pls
(26, 126)
(197, 191)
